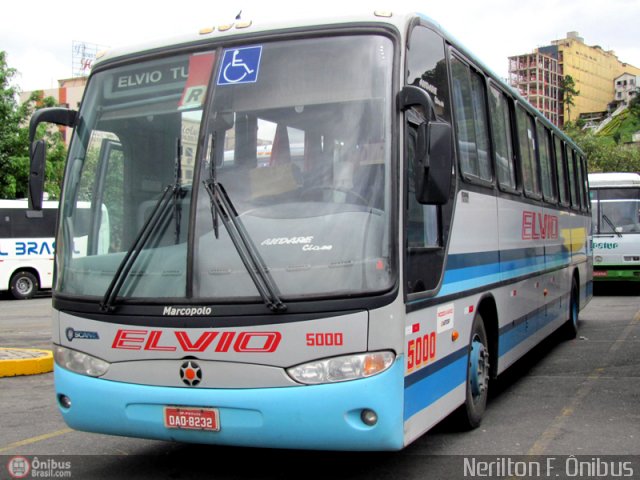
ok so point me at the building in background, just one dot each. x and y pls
(537, 77)
(593, 69)
(627, 87)
(68, 94)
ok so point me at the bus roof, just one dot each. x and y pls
(617, 179)
(254, 27)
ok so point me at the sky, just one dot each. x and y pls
(38, 35)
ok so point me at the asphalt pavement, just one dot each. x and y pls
(18, 354)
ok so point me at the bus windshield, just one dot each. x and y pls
(616, 210)
(294, 134)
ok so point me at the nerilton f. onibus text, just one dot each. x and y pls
(593, 467)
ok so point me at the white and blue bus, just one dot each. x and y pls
(26, 248)
(615, 200)
(416, 228)
(27, 244)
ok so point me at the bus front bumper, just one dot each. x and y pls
(326, 417)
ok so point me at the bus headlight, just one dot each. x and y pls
(341, 369)
(79, 362)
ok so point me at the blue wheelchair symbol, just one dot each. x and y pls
(240, 65)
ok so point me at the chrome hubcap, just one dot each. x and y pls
(479, 368)
(24, 286)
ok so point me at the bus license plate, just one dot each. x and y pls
(192, 418)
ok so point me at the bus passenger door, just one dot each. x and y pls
(426, 226)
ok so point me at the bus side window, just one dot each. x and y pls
(5, 224)
(563, 193)
(502, 142)
(471, 121)
(585, 168)
(548, 175)
(571, 175)
(528, 161)
(584, 184)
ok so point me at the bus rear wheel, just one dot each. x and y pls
(23, 285)
(469, 415)
(570, 327)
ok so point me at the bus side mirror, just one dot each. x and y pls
(36, 178)
(433, 149)
(37, 151)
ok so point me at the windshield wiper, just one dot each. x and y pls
(612, 225)
(159, 213)
(178, 190)
(222, 207)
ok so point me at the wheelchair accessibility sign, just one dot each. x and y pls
(240, 65)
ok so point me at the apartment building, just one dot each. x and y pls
(593, 69)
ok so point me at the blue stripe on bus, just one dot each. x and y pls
(472, 270)
(427, 385)
(477, 259)
(519, 330)
(432, 382)
(462, 266)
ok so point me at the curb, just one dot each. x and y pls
(24, 361)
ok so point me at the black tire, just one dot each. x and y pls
(470, 414)
(23, 285)
(570, 327)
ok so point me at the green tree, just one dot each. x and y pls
(14, 139)
(568, 92)
(603, 153)
(634, 104)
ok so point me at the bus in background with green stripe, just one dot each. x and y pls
(615, 205)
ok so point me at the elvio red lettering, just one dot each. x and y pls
(200, 345)
(129, 339)
(225, 341)
(527, 225)
(152, 342)
(542, 223)
(553, 227)
(269, 344)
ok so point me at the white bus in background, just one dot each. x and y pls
(615, 199)
(26, 248)
(27, 244)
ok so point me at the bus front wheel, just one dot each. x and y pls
(23, 285)
(470, 413)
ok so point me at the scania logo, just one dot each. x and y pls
(191, 373)
(71, 334)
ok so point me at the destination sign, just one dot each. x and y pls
(162, 76)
